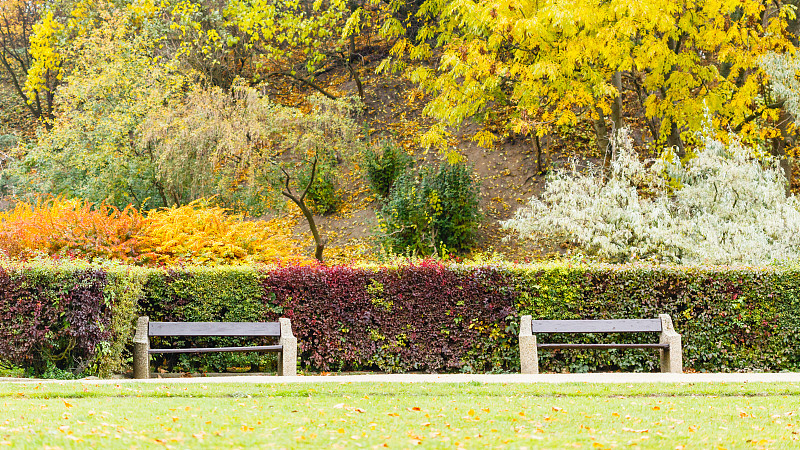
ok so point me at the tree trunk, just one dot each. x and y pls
(319, 241)
(779, 146)
(601, 131)
(616, 105)
(674, 140)
(539, 165)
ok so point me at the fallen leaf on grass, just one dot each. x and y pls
(760, 441)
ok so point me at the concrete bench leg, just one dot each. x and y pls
(141, 349)
(671, 358)
(287, 362)
(528, 353)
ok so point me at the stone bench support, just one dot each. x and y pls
(669, 344)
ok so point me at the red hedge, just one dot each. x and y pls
(48, 316)
(413, 318)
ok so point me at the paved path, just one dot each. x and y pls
(793, 377)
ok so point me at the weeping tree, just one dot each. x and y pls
(250, 152)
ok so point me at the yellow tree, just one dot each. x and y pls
(535, 65)
(17, 21)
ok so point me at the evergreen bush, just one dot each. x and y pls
(383, 164)
(434, 211)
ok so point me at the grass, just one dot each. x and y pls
(353, 415)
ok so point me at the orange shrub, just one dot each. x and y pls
(200, 234)
(57, 226)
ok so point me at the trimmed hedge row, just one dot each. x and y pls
(424, 317)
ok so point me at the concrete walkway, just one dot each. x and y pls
(793, 377)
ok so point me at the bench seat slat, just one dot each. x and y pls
(596, 326)
(261, 348)
(214, 329)
(603, 346)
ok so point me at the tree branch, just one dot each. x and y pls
(311, 178)
(747, 119)
(304, 81)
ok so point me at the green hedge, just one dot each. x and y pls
(79, 319)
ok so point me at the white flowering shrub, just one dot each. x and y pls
(728, 205)
(782, 70)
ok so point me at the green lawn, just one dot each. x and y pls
(400, 415)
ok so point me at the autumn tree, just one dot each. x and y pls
(536, 66)
(92, 149)
(249, 150)
(266, 41)
(17, 21)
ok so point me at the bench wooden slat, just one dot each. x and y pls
(214, 329)
(261, 348)
(602, 346)
(596, 326)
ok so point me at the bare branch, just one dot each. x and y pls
(311, 178)
(304, 81)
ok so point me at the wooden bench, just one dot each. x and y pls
(287, 343)
(669, 343)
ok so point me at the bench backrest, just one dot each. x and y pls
(214, 329)
(596, 326)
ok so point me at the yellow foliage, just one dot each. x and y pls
(200, 234)
(47, 59)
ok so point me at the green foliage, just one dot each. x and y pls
(8, 141)
(323, 194)
(91, 150)
(225, 294)
(383, 164)
(53, 372)
(435, 211)
(731, 319)
(123, 292)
